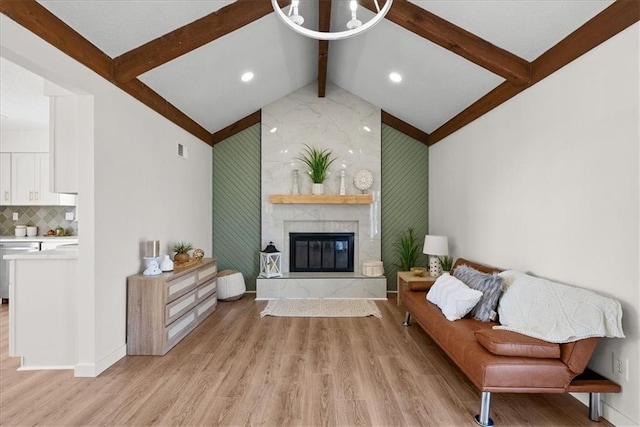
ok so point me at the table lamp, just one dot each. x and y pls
(435, 247)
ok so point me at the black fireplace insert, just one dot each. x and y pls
(321, 252)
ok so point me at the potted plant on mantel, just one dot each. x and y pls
(318, 162)
(182, 252)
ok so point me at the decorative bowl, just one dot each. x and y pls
(418, 271)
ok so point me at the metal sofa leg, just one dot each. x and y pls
(594, 406)
(407, 319)
(483, 419)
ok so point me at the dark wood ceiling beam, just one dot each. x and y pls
(614, 19)
(189, 37)
(404, 127)
(37, 19)
(236, 127)
(459, 41)
(324, 24)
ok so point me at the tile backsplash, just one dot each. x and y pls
(44, 217)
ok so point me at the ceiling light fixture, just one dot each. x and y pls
(395, 77)
(247, 77)
(294, 20)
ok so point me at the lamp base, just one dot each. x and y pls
(435, 270)
(152, 267)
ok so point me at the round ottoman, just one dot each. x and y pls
(230, 285)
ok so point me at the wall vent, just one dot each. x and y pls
(183, 151)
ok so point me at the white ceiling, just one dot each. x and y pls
(437, 84)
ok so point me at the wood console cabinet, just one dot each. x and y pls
(163, 309)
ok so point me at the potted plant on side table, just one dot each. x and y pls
(318, 162)
(182, 252)
(407, 248)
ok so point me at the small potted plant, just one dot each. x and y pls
(446, 262)
(318, 162)
(182, 252)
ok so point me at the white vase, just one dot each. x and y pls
(166, 264)
(343, 188)
(294, 182)
(317, 188)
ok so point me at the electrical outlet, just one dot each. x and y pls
(15, 216)
(620, 366)
(68, 216)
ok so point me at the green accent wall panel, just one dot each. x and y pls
(404, 198)
(236, 204)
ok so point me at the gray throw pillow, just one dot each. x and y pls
(489, 284)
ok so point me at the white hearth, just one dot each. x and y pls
(351, 129)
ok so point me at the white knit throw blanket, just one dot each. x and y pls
(554, 312)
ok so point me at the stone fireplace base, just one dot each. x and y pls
(321, 285)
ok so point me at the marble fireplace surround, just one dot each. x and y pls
(351, 128)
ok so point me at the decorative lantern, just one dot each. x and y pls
(270, 262)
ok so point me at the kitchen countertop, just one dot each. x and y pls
(10, 239)
(67, 253)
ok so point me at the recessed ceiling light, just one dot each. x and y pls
(248, 76)
(367, 128)
(395, 77)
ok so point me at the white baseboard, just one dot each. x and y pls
(608, 412)
(44, 367)
(95, 369)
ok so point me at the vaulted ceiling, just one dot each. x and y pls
(458, 58)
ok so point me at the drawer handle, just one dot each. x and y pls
(31, 196)
(6, 195)
(36, 195)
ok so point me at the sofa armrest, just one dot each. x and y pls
(507, 343)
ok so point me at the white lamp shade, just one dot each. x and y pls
(436, 245)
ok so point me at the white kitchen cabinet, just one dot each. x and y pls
(5, 179)
(30, 180)
(64, 128)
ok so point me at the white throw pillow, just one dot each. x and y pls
(454, 298)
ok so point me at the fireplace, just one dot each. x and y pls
(321, 252)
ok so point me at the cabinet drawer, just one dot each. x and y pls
(207, 307)
(181, 286)
(181, 327)
(180, 306)
(207, 273)
(206, 290)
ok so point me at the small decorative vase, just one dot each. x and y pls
(317, 188)
(166, 264)
(294, 184)
(343, 189)
(181, 258)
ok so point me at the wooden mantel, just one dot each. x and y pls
(322, 199)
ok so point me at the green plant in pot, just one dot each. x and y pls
(318, 162)
(182, 252)
(407, 248)
(446, 262)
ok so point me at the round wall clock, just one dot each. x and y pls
(363, 179)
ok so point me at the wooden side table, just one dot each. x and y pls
(407, 281)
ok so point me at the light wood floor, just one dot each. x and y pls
(237, 369)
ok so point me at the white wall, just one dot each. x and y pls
(132, 188)
(549, 183)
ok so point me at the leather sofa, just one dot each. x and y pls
(500, 373)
